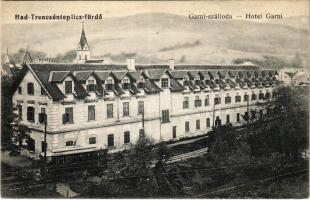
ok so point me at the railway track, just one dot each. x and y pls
(184, 156)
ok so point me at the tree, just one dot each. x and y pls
(286, 130)
(13, 132)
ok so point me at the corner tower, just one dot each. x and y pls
(83, 52)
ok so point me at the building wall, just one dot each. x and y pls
(81, 129)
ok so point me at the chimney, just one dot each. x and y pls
(171, 64)
(131, 64)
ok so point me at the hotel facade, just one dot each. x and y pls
(91, 105)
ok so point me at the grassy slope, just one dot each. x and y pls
(146, 34)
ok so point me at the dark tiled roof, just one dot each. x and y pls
(215, 67)
(176, 86)
(151, 87)
(58, 76)
(133, 89)
(193, 73)
(155, 74)
(179, 74)
(240, 82)
(222, 73)
(119, 74)
(231, 83)
(221, 83)
(233, 73)
(205, 74)
(82, 75)
(102, 75)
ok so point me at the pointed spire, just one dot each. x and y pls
(83, 40)
(27, 56)
(7, 59)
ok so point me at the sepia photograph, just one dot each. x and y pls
(155, 99)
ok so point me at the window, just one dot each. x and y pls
(237, 98)
(110, 110)
(30, 89)
(165, 116)
(110, 140)
(267, 95)
(19, 90)
(68, 116)
(92, 140)
(185, 80)
(69, 143)
(43, 91)
(20, 111)
(85, 57)
(197, 124)
(68, 87)
(91, 86)
(30, 114)
(109, 84)
(217, 100)
(141, 133)
(140, 83)
(185, 102)
(207, 100)
(91, 113)
(164, 83)
(261, 96)
(227, 119)
(208, 123)
(253, 97)
(197, 101)
(126, 137)
(197, 81)
(125, 84)
(218, 121)
(245, 97)
(227, 100)
(125, 109)
(174, 132)
(187, 126)
(140, 107)
(238, 117)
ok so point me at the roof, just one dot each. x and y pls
(82, 75)
(151, 87)
(176, 86)
(179, 74)
(155, 74)
(58, 76)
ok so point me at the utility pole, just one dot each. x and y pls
(43, 119)
(213, 117)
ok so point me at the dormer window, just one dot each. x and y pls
(125, 84)
(140, 83)
(164, 83)
(91, 86)
(68, 87)
(109, 84)
(197, 80)
(185, 80)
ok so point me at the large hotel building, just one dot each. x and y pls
(91, 105)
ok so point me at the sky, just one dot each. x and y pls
(116, 9)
